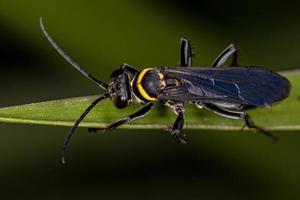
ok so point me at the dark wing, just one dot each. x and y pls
(242, 85)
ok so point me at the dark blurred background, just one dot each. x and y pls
(140, 164)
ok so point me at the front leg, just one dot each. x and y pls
(140, 113)
(178, 124)
(131, 70)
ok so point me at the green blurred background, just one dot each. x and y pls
(140, 164)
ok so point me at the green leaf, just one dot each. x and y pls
(284, 116)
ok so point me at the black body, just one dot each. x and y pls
(227, 91)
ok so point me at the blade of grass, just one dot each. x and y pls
(64, 112)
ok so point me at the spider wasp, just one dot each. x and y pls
(227, 91)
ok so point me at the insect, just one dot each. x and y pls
(227, 91)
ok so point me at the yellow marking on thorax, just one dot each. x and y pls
(140, 87)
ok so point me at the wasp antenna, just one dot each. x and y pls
(72, 130)
(69, 59)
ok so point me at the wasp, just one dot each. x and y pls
(228, 91)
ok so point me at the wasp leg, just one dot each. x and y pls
(185, 53)
(250, 124)
(140, 113)
(178, 125)
(131, 70)
(222, 112)
(222, 58)
(237, 115)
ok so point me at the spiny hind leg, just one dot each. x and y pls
(222, 58)
(235, 115)
(250, 124)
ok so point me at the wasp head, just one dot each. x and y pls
(119, 88)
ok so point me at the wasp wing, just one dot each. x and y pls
(241, 85)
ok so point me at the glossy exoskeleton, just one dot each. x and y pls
(227, 91)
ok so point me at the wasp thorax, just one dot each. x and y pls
(153, 82)
(119, 89)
